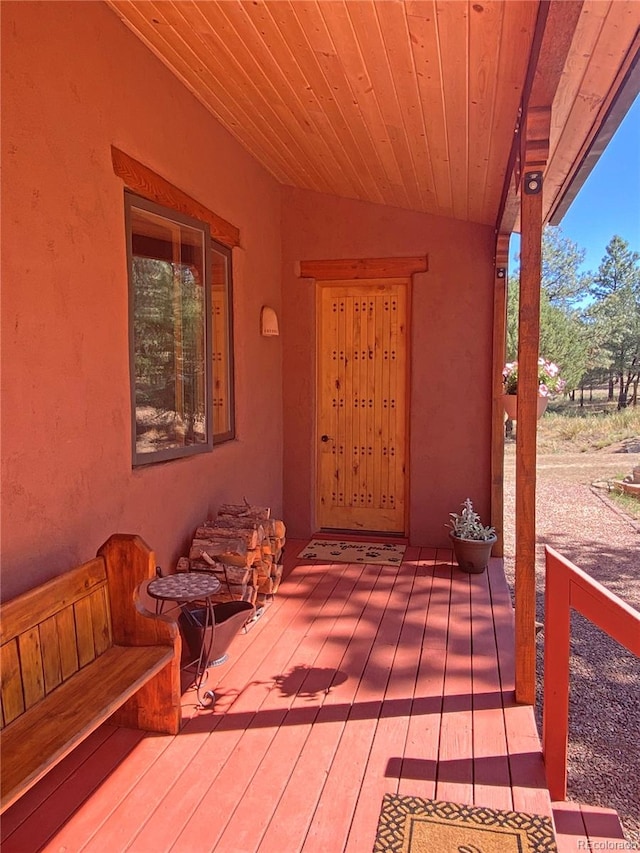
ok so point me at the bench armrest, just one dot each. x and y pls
(130, 563)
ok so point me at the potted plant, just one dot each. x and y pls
(549, 382)
(472, 540)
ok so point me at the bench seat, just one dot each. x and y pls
(77, 651)
(43, 735)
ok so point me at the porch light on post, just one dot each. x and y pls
(532, 183)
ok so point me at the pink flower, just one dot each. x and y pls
(549, 381)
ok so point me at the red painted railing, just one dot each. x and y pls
(568, 587)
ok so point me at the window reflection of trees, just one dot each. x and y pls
(169, 354)
(222, 347)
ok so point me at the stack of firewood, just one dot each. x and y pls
(243, 547)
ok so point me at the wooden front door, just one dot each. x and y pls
(362, 404)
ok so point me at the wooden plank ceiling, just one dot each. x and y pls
(411, 104)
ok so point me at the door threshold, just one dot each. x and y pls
(361, 535)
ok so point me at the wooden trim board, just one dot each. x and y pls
(143, 180)
(336, 270)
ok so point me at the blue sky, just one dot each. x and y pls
(609, 200)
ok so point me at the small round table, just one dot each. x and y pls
(185, 588)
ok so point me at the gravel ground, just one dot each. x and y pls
(583, 525)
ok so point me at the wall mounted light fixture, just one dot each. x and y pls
(268, 322)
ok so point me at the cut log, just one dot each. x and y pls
(251, 538)
(276, 577)
(232, 575)
(247, 559)
(234, 534)
(263, 569)
(215, 547)
(246, 510)
(266, 586)
(272, 527)
(242, 546)
(242, 525)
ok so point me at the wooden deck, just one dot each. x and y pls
(357, 681)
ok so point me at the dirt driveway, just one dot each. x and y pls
(581, 523)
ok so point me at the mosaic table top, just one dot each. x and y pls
(184, 586)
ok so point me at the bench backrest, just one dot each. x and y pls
(50, 632)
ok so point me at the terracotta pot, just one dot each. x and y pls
(472, 555)
(510, 402)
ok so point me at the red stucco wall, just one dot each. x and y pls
(450, 345)
(75, 81)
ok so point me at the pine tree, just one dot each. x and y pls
(615, 316)
(563, 335)
(561, 278)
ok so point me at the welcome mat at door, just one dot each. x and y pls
(332, 551)
(413, 825)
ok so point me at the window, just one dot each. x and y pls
(222, 324)
(170, 317)
(181, 317)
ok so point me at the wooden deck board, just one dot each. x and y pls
(582, 827)
(56, 778)
(526, 766)
(220, 733)
(53, 811)
(491, 780)
(384, 762)
(357, 681)
(419, 764)
(295, 810)
(455, 755)
(299, 683)
(275, 770)
(333, 814)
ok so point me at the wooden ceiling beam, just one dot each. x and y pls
(557, 37)
(555, 29)
(614, 106)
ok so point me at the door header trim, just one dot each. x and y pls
(335, 270)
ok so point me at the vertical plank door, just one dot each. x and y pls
(362, 404)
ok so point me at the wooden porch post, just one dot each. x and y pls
(535, 149)
(553, 39)
(497, 411)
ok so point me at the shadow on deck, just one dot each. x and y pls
(358, 680)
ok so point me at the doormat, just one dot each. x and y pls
(413, 825)
(332, 551)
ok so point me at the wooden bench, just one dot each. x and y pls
(78, 650)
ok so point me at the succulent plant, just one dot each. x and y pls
(467, 524)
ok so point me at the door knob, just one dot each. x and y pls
(324, 438)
